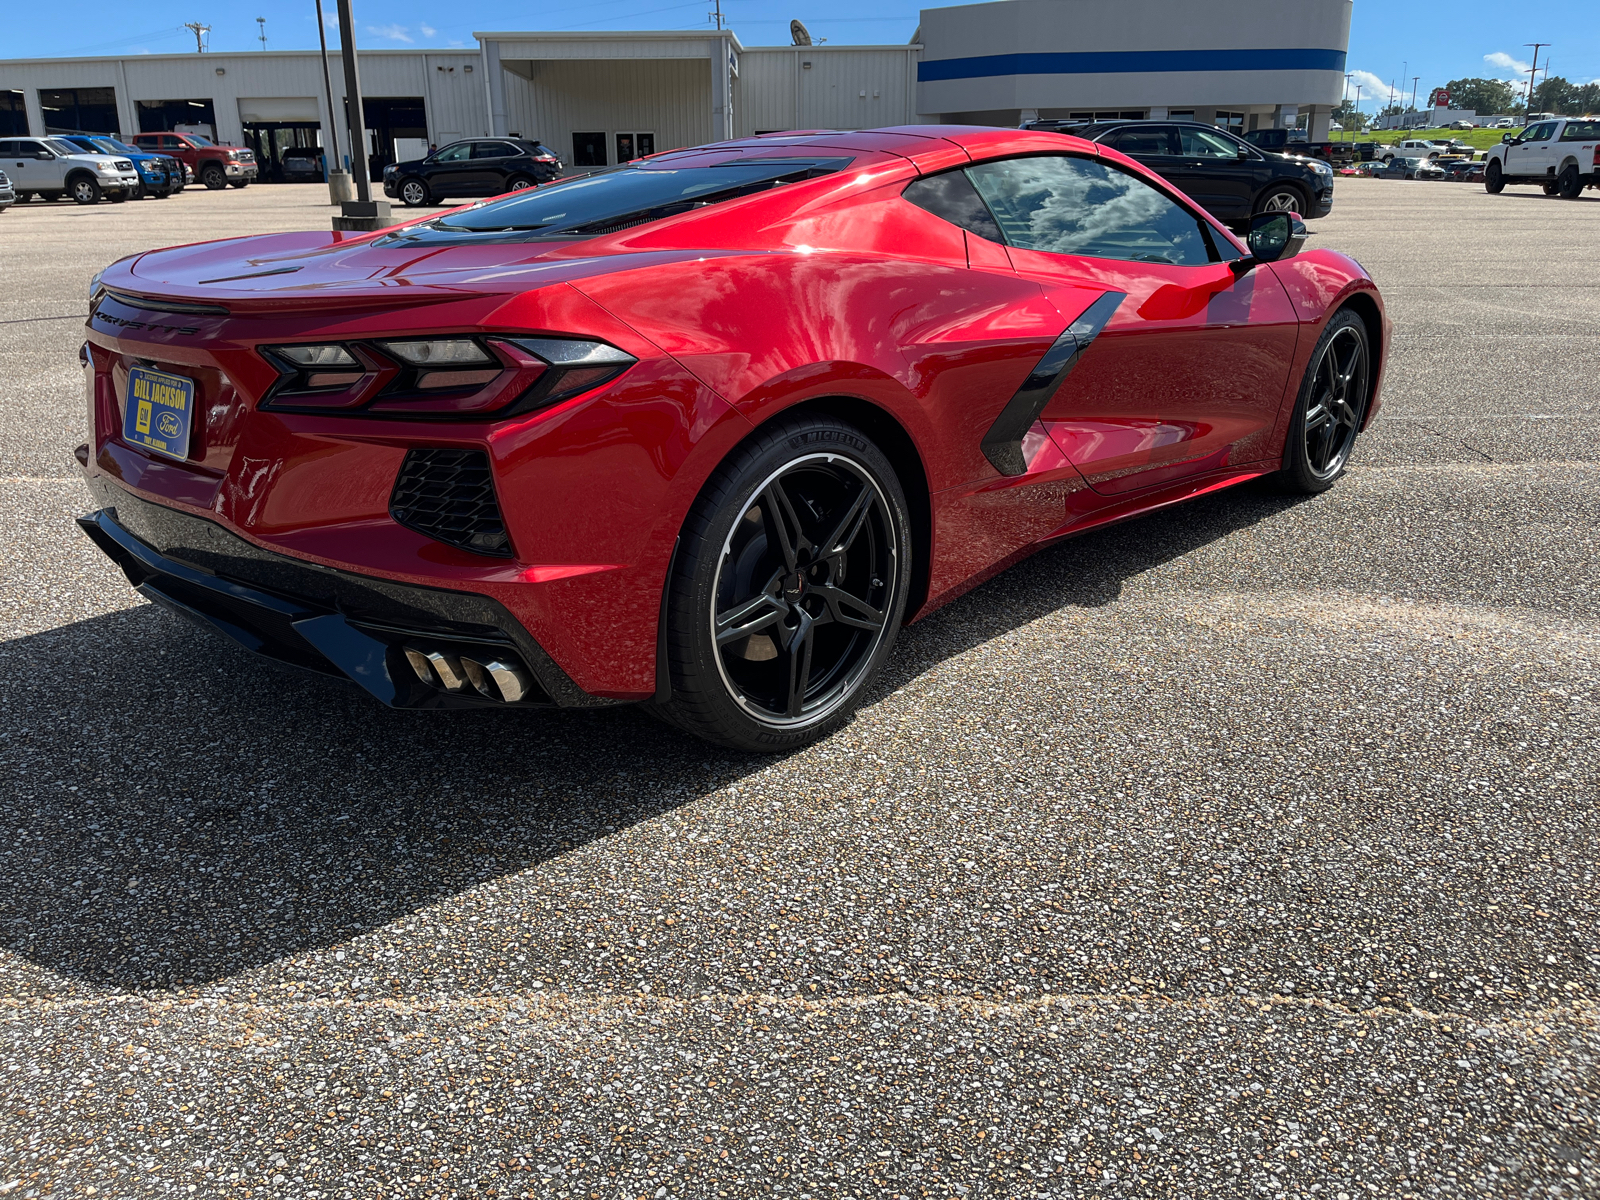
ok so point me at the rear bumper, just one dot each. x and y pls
(335, 623)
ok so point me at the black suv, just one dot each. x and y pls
(1229, 178)
(479, 167)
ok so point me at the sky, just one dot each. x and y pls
(1390, 40)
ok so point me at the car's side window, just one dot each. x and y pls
(1151, 139)
(492, 150)
(1202, 143)
(1067, 205)
(953, 197)
(1541, 133)
(458, 153)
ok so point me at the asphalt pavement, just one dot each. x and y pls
(1248, 849)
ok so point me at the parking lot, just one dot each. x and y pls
(1246, 849)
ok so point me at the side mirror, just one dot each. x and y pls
(1276, 235)
(1508, 138)
(1243, 153)
(43, 155)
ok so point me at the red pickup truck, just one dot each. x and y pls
(1293, 141)
(215, 166)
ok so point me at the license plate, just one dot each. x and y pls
(159, 412)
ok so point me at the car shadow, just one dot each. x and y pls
(180, 811)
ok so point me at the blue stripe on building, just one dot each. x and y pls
(1116, 62)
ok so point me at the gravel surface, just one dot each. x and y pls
(1247, 849)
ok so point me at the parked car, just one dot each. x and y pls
(714, 452)
(159, 175)
(1296, 142)
(49, 167)
(1504, 123)
(215, 166)
(1562, 155)
(1451, 147)
(1457, 169)
(8, 194)
(1462, 125)
(477, 167)
(1412, 148)
(1367, 151)
(303, 164)
(1409, 167)
(1228, 177)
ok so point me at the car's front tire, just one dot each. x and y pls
(414, 193)
(1494, 178)
(214, 177)
(787, 588)
(84, 190)
(1330, 408)
(1281, 199)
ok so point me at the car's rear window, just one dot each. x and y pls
(1581, 131)
(609, 201)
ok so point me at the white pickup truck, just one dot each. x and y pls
(50, 167)
(1562, 155)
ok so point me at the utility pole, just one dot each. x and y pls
(1414, 79)
(1358, 105)
(261, 24)
(1533, 71)
(197, 29)
(717, 14)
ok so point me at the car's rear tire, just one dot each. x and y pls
(787, 588)
(1494, 178)
(1281, 198)
(519, 183)
(1568, 185)
(414, 193)
(1330, 407)
(84, 190)
(214, 177)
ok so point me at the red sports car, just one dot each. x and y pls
(704, 431)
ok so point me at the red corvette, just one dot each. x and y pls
(704, 431)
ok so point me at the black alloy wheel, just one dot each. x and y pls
(1494, 178)
(1330, 409)
(84, 190)
(414, 193)
(214, 178)
(788, 589)
(1568, 185)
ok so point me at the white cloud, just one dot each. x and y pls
(1373, 89)
(1506, 63)
(427, 30)
(393, 33)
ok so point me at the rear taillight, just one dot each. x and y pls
(439, 378)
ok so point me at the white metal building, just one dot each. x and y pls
(600, 98)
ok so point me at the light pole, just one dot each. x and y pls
(338, 188)
(362, 213)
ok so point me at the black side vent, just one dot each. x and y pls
(448, 495)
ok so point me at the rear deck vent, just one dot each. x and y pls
(448, 495)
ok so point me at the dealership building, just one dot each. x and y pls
(602, 98)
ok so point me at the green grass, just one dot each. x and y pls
(1478, 139)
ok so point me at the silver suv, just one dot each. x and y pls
(50, 167)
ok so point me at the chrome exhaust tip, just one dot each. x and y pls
(438, 669)
(497, 680)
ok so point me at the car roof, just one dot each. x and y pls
(950, 146)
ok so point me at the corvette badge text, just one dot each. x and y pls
(157, 415)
